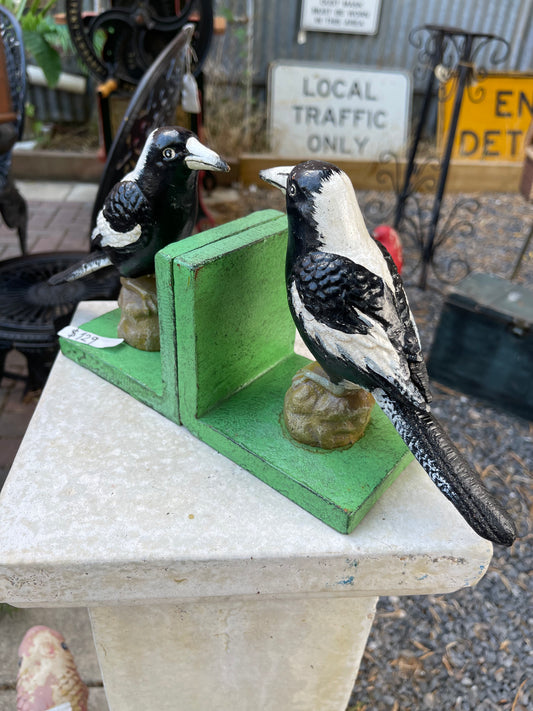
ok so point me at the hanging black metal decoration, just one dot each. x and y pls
(123, 41)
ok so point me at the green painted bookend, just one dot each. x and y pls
(152, 377)
(227, 359)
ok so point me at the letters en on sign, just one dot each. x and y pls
(495, 115)
(350, 16)
(337, 111)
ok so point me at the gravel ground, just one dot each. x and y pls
(471, 649)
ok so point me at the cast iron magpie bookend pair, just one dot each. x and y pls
(344, 291)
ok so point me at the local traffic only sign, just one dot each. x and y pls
(337, 111)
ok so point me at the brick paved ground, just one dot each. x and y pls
(59, 218)
(54, 224)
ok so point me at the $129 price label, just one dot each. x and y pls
(73, 333)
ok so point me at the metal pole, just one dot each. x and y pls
(410, 168)
(464, 69)
(523, 251)
(250, 14)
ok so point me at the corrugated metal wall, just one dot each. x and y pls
(276, 24)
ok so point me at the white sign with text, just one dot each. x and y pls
(351, 16)
(337, 111)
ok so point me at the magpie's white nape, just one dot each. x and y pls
(349, 305)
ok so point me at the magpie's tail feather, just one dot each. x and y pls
(448, 469)
(89, 264)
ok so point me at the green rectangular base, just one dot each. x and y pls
(227, 359)
(236, 362)
(137, 372)
(339, 486)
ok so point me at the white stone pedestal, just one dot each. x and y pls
(206, 588)
(268, 654)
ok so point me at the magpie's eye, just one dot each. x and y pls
(292, 189)
(169, 153)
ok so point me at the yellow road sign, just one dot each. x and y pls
(495, 115)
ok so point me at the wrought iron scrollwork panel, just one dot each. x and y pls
(449, 60)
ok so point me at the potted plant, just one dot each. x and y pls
(53, 94)
(43, 37)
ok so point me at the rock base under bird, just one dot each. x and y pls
(318, 415)
(139, 322)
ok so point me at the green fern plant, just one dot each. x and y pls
(43, 38)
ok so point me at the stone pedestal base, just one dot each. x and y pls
(272, 654)
(206, 588)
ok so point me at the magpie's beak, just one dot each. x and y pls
(277, 177)
(202, 158)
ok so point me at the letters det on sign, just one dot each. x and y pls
(494, 118)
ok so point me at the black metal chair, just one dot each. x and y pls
(153, 104)
(12, 96)
(32, 311)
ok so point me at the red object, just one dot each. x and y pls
(390, 239)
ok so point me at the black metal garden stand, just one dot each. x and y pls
(446, 53)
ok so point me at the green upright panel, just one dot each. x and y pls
(236, 362)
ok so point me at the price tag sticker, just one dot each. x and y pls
(72, 333)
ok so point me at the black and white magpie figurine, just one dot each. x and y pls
(153, 205)
(349, 305)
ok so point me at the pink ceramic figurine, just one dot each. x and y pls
(48, 677)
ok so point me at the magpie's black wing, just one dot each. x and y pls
(410, 339)
(337, 292)
(349, 298)
(126, 206)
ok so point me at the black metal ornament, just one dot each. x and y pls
(445, 53)
(123, 41)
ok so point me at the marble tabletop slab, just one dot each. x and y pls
(108, 502)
